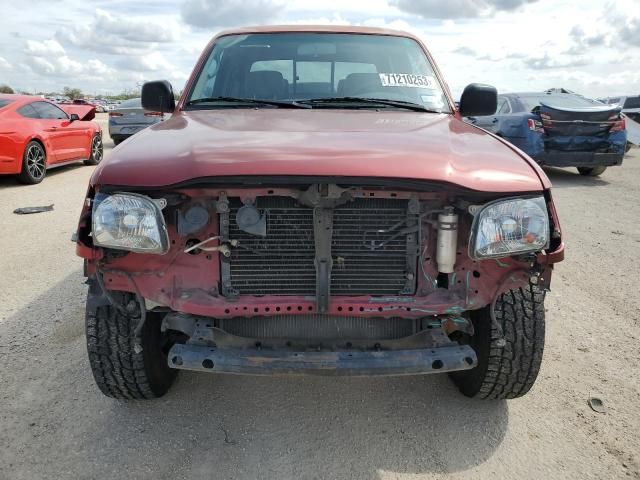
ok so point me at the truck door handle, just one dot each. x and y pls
(495, 120)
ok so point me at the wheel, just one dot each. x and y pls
(507, 365)
(627, 147)
(119, 368)
(592, 171)
(34, 164)
(96, 150)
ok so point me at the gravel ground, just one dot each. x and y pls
(54, 423)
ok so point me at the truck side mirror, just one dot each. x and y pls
(478, 100)
(158, 96)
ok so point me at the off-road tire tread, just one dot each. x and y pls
(118, 370)
(509, 371)
(513, 369)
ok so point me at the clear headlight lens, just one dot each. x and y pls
(508, 227)
(128, 221)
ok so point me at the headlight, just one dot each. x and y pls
(128, 221)
(507, 227)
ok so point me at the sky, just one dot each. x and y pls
(110, 46)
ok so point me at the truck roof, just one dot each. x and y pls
(316, 28)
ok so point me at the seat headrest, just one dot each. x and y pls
(357, 83)
(265, 84)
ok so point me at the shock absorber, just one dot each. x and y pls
(447, 240)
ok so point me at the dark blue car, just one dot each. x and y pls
(560, 128)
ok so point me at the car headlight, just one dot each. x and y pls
(128, 221)
(508, 227)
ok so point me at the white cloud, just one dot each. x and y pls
(130, 30)
(623, 19)
(152, 62)
(226, 13)
(5, 65)
(96, 67)
(328, 20)
(108, 33)
(60, 66)
(64, 67)
(45, 48)
(546, 62)
(457, 8)
(515, 45)
(401, 24)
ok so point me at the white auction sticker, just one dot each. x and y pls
(407, 80)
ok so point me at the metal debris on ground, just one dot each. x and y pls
(29, 210)
(227, 440)
(597, 405)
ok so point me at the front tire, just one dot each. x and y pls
(591, 171)
(507, 366)
(119, 370)
(97, 150)
(34, 164)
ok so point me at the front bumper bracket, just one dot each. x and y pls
(439, 359)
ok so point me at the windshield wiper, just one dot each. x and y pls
(254, 101)
(370, 101)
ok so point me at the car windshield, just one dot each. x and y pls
(304, 67)
(563, 100)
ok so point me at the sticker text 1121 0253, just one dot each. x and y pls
(406, 80)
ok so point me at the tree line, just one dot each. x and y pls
(74, 93)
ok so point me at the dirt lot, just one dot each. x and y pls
(55, 424)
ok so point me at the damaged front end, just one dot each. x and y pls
(292, 275)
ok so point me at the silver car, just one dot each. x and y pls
(129, 118)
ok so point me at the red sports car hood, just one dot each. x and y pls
(350, 143)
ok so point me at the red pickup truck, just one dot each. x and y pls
(316, 205)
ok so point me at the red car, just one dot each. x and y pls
(36, 135)
(315, 204)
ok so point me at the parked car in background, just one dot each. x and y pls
(129, 118)
(317, 205)
(630, 105)
(81, 101)
(560, 128)
(101, 106)
(77, 101)
(36, 135)
(631, 110)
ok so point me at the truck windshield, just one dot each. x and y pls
(317, 69)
